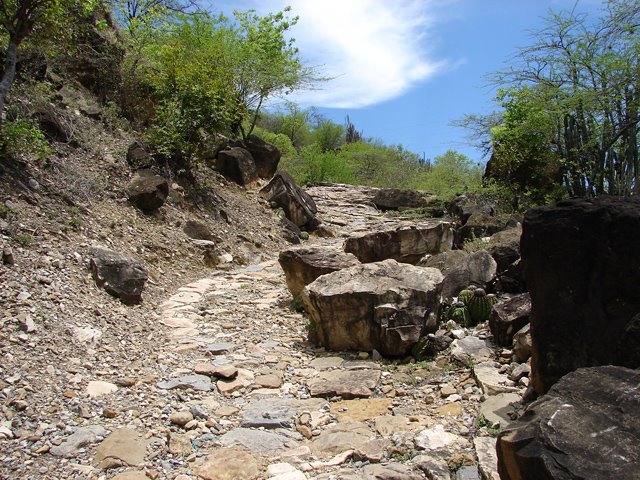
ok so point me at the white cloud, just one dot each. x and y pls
(374, 50)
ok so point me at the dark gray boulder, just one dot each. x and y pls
(478, 269)
(265, 156)
(297, 204)
(586, 426)
(399, 199)
(147, 191)
(120, 275)
(509, 317)
(237, 165)
(582, 268)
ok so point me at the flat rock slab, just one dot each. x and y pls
(326, 363)
(345, 384)
(436, 438)
(470, 349)
(276, 412)
(586, 426)
(195, 382)
(497, 408)
(342, 437)
(227, 464)
(360, 410)
(491, 381)
(80, 438)
(97, 388)
(257, 441)
(122, 447)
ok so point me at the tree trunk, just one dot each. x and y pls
(8, 73)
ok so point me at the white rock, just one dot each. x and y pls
(96, 388)
(436, 438)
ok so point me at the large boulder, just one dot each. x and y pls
(147, 191)
(463, 206)
(586, 426)
(265, 156)
(504, 247)
(297, 204)
(399, 199)
(478, 225)
(508, 317)
(384, 306)
(582, 268)
(444, 261)
(477, 269)
(303, 265)
(138, 155)
(404, 244)
(120, 275)
(237, 165)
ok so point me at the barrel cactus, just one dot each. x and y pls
(465, 295)
(459, 313)
(480, 305)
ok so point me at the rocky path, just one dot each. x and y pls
(226, 387)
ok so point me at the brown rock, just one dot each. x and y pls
(227, 464)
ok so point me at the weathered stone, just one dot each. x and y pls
(131, 475)
(498, 409)
(138, 155)
(479, 224)
(436, 438)
(434, 468)
(243, 379)
(504, 247)
(195, 382)
(181, 418)
(390, 471)
(180, 444)
(384, 306)
(80, 438)
(399, 199)
(490, 380)
(508, 317)
(586, 426)
(198, 231)
(298, 206)
(290, 231)
(522, 344)
(97, 388)
(256, 441)
(468, 473)
(341, 437)
(237, 165)
(487, 457)
(470, 350)
(122, 447)
(345, 384)
(478, 269)
(284, 471)
(444, 261)
(326, 363)
(276, 412)
(362, 409)
(147, 191)
(303, 265)
(120, 275)
(226, 464)
(265, 156)
(404, 244)
(583, 273)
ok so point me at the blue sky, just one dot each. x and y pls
(405, 69)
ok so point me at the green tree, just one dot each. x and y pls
(576, 90)
(451, 174)
(20, 19)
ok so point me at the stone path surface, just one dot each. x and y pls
(232, 390)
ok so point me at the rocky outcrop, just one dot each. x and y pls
(147, 191)
(138, 155)
(477, 269)
(302, 266)
(478, 225)
(384, 306)
(399, 199)
(121, 276)
(504, 247)
(265, 156)
(586, 426)
(298, 206)
(463, 206)
(237, 165)
(583, 272)
(509, 317)
(198, 231)
(405, 244)
(444, 261)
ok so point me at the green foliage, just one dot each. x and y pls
(24, 239)
(212, 75)
(460, 315)
(451, 174)
(23, 136)
(474, 244)
(324, 166)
